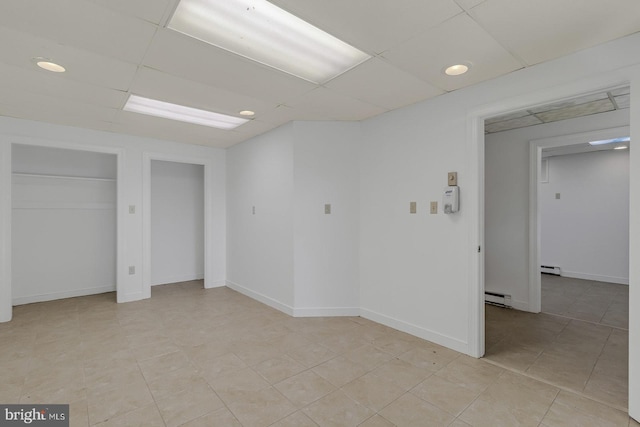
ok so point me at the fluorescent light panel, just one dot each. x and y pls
(261, 31)
(611, 141)
(167, 110)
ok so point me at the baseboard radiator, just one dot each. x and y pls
(501, 300)
(548, 269)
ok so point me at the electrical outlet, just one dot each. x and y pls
(452, 178)
(413, 207)
(434, 207)
(558, 196)
(132, 209)
(253, 210)
(327, 209)
(132, 269)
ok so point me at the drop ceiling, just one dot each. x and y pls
(113, 48)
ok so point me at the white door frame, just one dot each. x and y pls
(476, 167)
(6, 179)
(147, 157)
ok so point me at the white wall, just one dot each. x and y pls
(130, 151)
(507, 200)
(289, 254)
(260, 245)
(63, 223)
(326, 246)
(586, 231)
(177, 222)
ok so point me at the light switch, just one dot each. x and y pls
(132, 209)
(557, 195)
(327, 208)
(413, 208)
(253, 210)
(452, 178)
(434, 207)
(132, 269)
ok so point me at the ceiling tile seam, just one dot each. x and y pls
(515, 56)
(613, 101)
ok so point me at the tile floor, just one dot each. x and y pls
(196, 357)
(588, 356)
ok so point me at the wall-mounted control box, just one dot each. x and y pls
(451, 199)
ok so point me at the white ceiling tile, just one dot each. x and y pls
(150, 10)
(620, 91)
(183, 56)
(594, 107)
(382, 84)
(165, 87)
(52, 85)
(331, 105)
(81, 24)
(456, 41)
(541, 30)
(623, 101)
(372, 25)
(512, 124)
(83, 66)
(468, 4)
(515, 115)
(571, 102)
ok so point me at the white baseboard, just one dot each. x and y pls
(420, 332)
(214, 284)
(136, 296)
(262, 298)
(177, 278)
(326, 312)
(596, 277)
(64, 294)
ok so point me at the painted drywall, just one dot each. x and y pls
(507, 200)
(260, 218)
(55, 161)
(585, 231)
(177, 222)
(326, 245)
(130, 151)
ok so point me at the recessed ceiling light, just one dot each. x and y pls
(457, 69)
(622, 147)
(611, 141)
(261, 31)
(167, 110)
(47, 64)
(247, 113)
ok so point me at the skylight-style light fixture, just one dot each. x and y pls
(167, 110)
(611, 141)
(49, 65)
(261, 31)
(457, 69)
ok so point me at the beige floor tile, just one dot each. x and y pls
(279, 368)
(156, 367)
(305, 388)
(470, 373)
(377, 421)
(188, 404)
(608, 389)
(220, 366)
(339, 371)
(311, 355)
(218, 418)
(78, 414)
(512, 400)
(459, 423)
(337, 410)
(571, 410)
(154, 349)
(444, 394)
(571, 373)
(147, 416)
(260, 408)
(297, 419)
(233, 385)
(372, 391)
(402, 374)
(512, 356)
(411, 411)
(174, 382)
(368, 356)
(106, 404)
(633, 423)
(432, 359)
